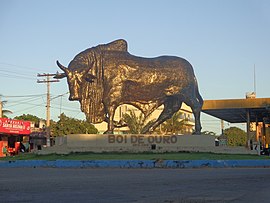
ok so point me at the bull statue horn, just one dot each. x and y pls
(63, 68)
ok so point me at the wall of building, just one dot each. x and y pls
(123, 109)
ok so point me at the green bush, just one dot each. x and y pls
(235, 136)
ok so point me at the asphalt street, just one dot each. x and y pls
(134, 185)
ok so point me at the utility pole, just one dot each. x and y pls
(48, 114)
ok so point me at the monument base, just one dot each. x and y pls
(132, 143)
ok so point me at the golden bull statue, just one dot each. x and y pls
(103, 77)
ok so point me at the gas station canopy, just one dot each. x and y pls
(239, 110)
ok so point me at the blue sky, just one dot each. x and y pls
(221, 39)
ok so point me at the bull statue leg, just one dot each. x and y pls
(110, 113)
(171, 106)
(196, 109)
(194, 100)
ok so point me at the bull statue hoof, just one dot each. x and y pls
(196, 133)
(108, 132)
(147, 130)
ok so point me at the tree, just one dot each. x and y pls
(136, 123)
(66, 125)
(29, 117)
(174, 125)
(235, 136)
(3, 112)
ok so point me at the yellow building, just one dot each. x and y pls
(123, 109)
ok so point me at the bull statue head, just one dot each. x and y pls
(82, 87)
(75, 79)
(71, 76)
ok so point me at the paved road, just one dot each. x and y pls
(134, 185)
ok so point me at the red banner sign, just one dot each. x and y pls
(14, 126)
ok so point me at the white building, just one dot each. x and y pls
(123, 109)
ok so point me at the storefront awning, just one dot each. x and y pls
(238, 110)
(10, 126)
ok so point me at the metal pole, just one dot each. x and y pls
(248, 129)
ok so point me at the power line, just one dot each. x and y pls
(3, 75)
(24, 100)
(35, 106)
(20, 66)
(29, 99)
(23, 103)
(67, 109)
(14, 72)
(59, 96)
(30, 95)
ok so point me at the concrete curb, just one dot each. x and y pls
(135, 163)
